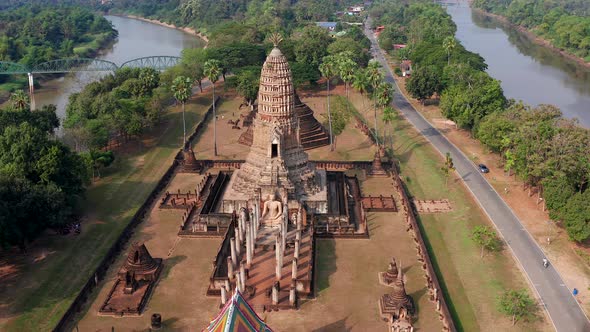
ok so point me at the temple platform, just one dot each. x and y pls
(233, 199)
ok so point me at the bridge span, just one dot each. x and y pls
(72, 65)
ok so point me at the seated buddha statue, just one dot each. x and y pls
(272, 212)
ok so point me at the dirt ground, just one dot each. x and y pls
(559, 249)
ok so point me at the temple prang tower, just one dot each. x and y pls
(276, 162)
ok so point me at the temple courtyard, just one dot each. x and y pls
(346, 269)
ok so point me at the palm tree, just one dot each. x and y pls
(384, 95)
(375, 78)
(212, 70)
(181, 88)
(346, 67)
(19, 100)
(388, 117)
(449, 45)
(328, 70)
(360, 82)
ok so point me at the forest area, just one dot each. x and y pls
(564, 23)
(543, 148)
(32, 34)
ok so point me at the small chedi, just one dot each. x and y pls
(190, 163)
(377, 167)
(388, 277)
(397, 307)
(135, 281)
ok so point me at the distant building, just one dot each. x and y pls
(406, 67)
(331, 26)
(399, 46)
(355, 10)
(378, 30)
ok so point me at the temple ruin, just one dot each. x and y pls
(135, 281)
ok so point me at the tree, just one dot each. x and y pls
(486, 238)
(375, 77)
(576, 216)
(518, 304)
(98, 160)
(384, 95)
(448, 167)
(27, 209)
(312, 46)
(213, 71)
(340, 116)
(360, 82)
(423, 83)
(449, 44)
(346, 67)
(181, 88)
(328, 68)
(19, 100)
(388, 117)
(248, 83)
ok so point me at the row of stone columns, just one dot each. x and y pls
(245, 234)
(276, 288)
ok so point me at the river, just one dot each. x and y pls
(136, 39)
(528, 72)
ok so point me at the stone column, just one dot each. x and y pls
(284, 236)
(238, 245)
(296, 253)
(256, 216)
(239, 235)
(275, 292)
(238, 284)
(234, 254)
(298, 235)
(248, 247)
(278, 258)
(230, 269)
(292, 293)
(294, 269)
(227, 285)
(243, 277)
(223, 295)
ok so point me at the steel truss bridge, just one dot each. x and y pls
(87, 65)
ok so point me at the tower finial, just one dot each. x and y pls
(275, 38)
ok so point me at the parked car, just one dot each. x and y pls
(483, 168)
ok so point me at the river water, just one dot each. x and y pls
(136, 39)
(528, 72)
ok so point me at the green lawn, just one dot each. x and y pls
(46, 288)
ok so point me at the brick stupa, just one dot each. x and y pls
(276, 158)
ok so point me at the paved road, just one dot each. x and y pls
(563, 309)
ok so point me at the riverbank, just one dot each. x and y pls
(188, 30)
(533, 37)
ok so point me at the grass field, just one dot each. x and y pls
(51, 275)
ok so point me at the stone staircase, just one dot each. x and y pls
(311, 132)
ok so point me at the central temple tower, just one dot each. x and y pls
(276, 162)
